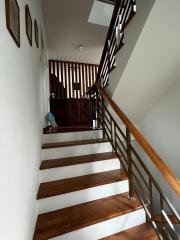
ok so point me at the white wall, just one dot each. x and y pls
(161, 127)
(21, 123)
(154, 63)
(132, 33)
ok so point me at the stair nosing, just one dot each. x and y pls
(57, 131)
(110, 156)
(123, 177)
(73, 143)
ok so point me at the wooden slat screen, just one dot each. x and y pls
(71, 79)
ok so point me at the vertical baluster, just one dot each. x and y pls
(103, 113)
(108, 55)
(96, 71)
(83, 81)
(91, 111)
(89, 73)
(69, 79)
(53, 81)
(62, 78)
(97, 109)
(76, 80)
(65, 81)
(134, 6)
(56, 79)
(115, 139)
(72, 73)
(50, 78)
(111, 126)
(58, 91)
(80, 81)
(151, 198)
(86, 71)
(162, 217)
(130, 170)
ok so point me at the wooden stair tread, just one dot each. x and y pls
(69, 129)
(140, 232)
(53, 224)
(73, 143)
(58, 187)
(62, 162)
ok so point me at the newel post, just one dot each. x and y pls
(130, 166)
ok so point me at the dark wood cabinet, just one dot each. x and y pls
(71, 112)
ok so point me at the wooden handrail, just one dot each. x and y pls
(167, 173)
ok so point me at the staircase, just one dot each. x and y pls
(83, 193)
(95, 183)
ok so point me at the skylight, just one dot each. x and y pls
(101, 13)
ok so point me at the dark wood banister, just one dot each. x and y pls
(167, 173)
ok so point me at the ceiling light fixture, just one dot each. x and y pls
(81, 47)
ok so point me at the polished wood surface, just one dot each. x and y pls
(141, 232)
(73, 143)
(58, 187)
(62, 162)
(168, 174)
(49, 130)
(62, 221)
(70, 112)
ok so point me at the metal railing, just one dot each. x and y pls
(123, 12)
(159, 210)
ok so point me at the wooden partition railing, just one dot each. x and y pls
(159, 210)
(71, 79)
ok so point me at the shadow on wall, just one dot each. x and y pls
(132, 33)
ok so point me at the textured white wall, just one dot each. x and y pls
(161, 127)
(21, 122)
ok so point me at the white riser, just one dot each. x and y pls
(72, 136)
(78, 170)
(106, 228)
(82, 196)
(79, 150)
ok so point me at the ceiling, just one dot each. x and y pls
(67, 27)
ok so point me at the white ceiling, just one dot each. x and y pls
(67, 27)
